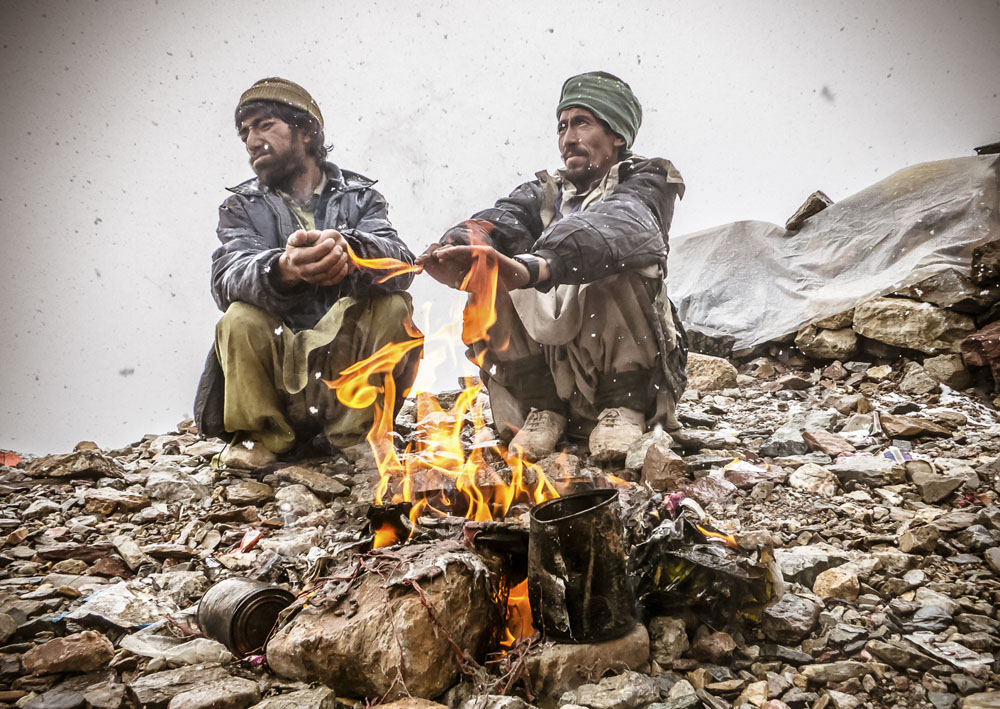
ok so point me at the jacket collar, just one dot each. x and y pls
(337, 181)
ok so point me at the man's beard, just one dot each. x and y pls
(281, 172)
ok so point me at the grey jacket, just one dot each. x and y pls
(254, 224)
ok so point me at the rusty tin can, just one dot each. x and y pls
(241, 613)
(578, 586)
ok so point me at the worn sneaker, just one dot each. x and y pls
(246, 454)
(616, 430)
(541, 431)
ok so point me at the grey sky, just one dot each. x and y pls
(117, 141)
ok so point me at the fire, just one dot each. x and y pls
(385, 536)
(435, 472)
(394, 267)
(519, 623)
(728, 539)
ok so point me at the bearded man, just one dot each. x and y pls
(586, 342)
(298, 311)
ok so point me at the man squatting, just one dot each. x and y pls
(590, 343)
(297, 311)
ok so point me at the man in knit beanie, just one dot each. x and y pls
(297, 309)
(586, 343)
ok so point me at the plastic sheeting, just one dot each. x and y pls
(755, 281)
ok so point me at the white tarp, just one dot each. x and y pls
(756, 282)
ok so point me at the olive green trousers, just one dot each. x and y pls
(276, 388)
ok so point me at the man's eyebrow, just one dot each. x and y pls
(248, 123)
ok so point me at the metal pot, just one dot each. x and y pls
(577, 582)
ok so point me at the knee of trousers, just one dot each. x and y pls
(393, 310)
(243, 318)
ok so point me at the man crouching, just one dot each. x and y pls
(297, 309)
(585, 336)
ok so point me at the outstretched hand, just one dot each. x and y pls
(451, 266)
(444, 265)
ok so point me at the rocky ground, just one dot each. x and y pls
(873, 488)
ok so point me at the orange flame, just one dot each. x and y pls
(519, 624)
(385, 536)
(435, 473)
(728, 539)
(395, 267)
(481, 282)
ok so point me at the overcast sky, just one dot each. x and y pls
(117, 142)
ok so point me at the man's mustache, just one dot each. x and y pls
(262, 150)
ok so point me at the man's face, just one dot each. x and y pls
(587, 147)
(277, 151)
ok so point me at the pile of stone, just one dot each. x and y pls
(941, 328)
(878, 498)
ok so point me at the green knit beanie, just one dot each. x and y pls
(607, 97)
(282, 91)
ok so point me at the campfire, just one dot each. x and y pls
(453, 466)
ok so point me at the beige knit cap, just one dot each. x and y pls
(282, 91)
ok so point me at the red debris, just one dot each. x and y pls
(9, 458)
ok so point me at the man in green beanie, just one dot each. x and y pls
(298, 310)
(585, 342)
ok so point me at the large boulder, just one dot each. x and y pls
(949, 370)
(982, 349)
(170, 485)
(790, 619)
(707, 373)
(907, 323)
(951, 288)
(401, 625)
(870, 471)
(917, 381)
(839, 344)
(787, 439)
(554, 667)
(815, 479)
(85, 463)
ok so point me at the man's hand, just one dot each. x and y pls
(316, 257)
(451, 265)
(445, 265)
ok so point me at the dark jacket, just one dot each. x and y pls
(254, 223)
(625, 231)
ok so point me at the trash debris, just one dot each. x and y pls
(241, 613)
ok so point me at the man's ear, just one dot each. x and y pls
(619, 141)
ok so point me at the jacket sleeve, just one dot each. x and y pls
(243, 265)
(625, 231)
(372, 236)
(516, 222)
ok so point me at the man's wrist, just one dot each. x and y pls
(284, 278)
(534, 264)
